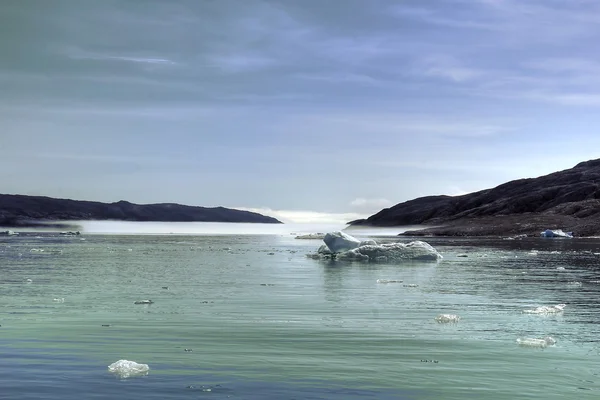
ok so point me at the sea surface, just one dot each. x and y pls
(241, 314)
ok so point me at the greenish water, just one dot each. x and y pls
(264, 321)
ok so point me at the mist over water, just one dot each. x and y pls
(221, 228)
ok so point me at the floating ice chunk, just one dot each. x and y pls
(536, 343)
(340, 241)
(390, 252)
(8, 233)
(143, 302)
(59, 300)
(516, 237)
(389, 281)
(556, 233)
(447, 319)
(125, 369)
(560, 268)
(28, 280)
(546, 309)
(311, 236)
(46, 251)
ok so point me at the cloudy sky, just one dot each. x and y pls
(302, 108)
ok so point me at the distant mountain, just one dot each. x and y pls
(569, 200)
(19, 210)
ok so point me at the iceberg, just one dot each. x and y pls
(447, 318)
(8, 233)
(340, 241)
(342, 247)
(536, 343)
(390, 252)
(556, 233)
(125, 369)
(546, 309)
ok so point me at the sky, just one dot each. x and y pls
(306, 110)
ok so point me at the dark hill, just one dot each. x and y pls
(569, 200)
(19, 210)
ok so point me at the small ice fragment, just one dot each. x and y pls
(143, 302)
(125, 369)
(59, 300)
(560, 268)
(413, 285)
(389, 281)
(447, 318)
(28, 280)
(536, 343)
(546, 309)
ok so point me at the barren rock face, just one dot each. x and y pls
(568, 200)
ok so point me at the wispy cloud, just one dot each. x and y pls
(439, 17)
(363, 205)
(78, 54)
(240, 63)
(447, 67)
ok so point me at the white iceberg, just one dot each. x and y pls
(536, 343)
(390, 252)
(340, 241)
(447, 318)
(125, 369)
(556, 233)
(546, 309)
(343, 247)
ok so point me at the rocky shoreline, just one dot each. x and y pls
(567, 200)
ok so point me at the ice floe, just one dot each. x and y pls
(536, 343)
(546, 309)
(556, 233)
(343, 247)
(311, 236)
(516, 237)
(447, 319)
(143, 302)
(125, 369)
(389, 281)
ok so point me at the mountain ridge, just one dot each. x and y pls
(568, 199)
(24, 210)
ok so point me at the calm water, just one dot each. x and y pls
(264, 321)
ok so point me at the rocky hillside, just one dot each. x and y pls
(19, 210)
(569, 200)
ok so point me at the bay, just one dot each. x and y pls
(261, 320)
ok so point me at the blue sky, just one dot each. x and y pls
(305, 110)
